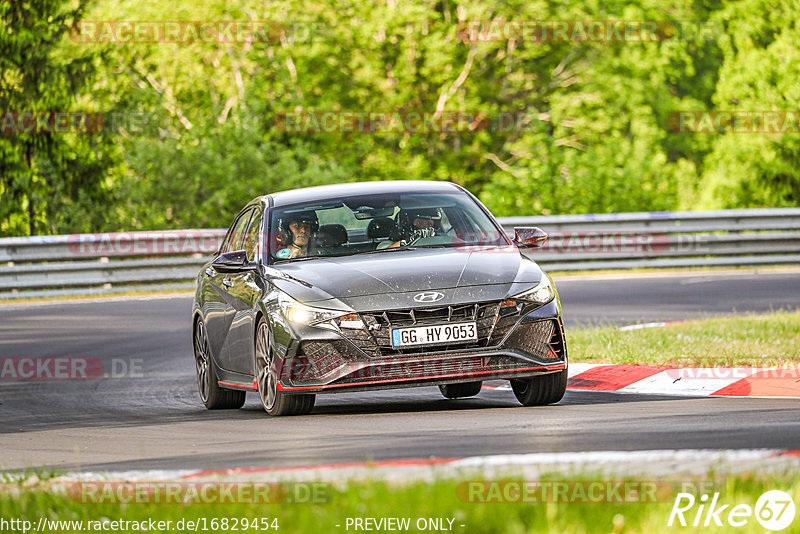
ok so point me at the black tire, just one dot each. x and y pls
(458, 391)
(275, 402)
(213, 396)
(540, 390)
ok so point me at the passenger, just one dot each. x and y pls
(297, 229)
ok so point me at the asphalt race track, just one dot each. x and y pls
(152, 418)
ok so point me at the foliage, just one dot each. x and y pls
(198, 130)
(48, 181)
(504, 503)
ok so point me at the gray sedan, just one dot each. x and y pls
(371, 286)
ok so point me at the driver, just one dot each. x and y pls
(298, 228)
(415, 224)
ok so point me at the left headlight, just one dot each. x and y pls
(541, 293)
(297, 312)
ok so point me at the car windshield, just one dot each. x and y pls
(378, 223)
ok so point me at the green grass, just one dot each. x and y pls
(442, 499)
(122, 294)
(748, 340)
(699, 270)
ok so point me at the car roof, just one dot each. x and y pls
(327, 192)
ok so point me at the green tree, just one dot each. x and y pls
(760, 73)
(49, 181)
(199, 134)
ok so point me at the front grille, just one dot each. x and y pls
(418, 369)
(557, 340)
(363, 340)
(415, 316)
(541, 339)
(376, 341)
(316, 360)
(432, 368)
(506, 319)
(337, 361)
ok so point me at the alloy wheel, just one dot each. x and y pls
(201, 360)
(267, 382)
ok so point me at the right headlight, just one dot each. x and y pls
(297, 312)
(541, 293)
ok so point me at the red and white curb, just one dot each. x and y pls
(702, 381)
(693, 382)
(696, 381)
(689, 462)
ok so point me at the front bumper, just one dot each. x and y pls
(510, 345)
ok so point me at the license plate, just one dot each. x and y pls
(430, 335)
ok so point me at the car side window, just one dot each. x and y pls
(235, 238)
(251, 240)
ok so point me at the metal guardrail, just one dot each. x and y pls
(667, 239)
(112, 262)
(86, 264)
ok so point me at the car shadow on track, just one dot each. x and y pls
(185, 407)
(394, 402)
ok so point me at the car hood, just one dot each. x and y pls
(391, 279)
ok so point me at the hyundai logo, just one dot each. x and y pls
(428, 296)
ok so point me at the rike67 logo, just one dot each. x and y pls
(774, 510)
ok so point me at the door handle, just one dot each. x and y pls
(227, 282)
(209, 271)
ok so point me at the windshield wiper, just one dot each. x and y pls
(387, 249)
(303, 258)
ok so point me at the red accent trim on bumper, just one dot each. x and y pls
(281, 387)
(221, 383)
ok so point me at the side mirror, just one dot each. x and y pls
(529, 237)
(233, 262)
